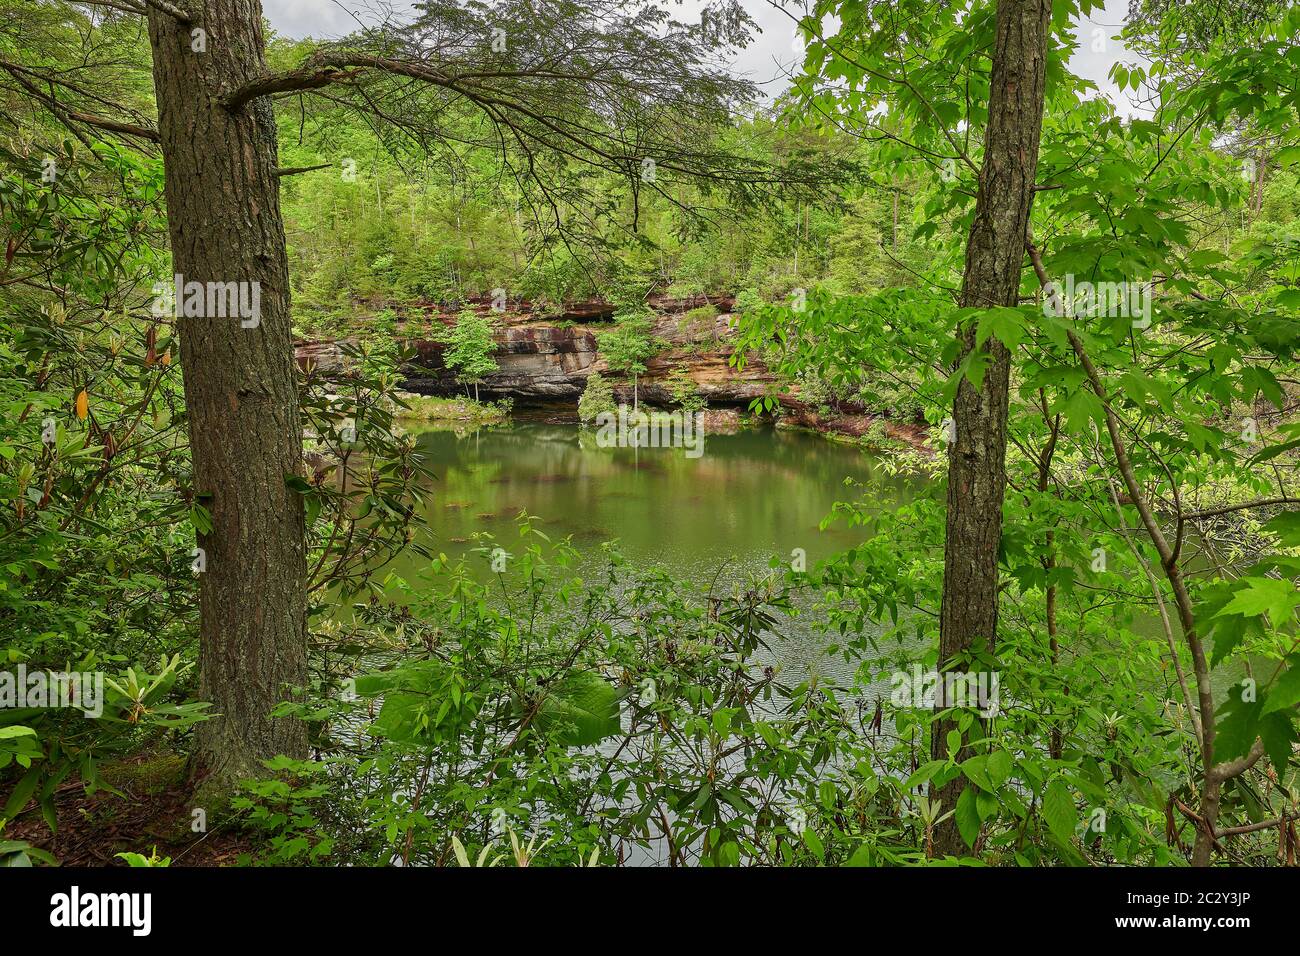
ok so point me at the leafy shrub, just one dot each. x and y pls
(682, 388)
(597, 397)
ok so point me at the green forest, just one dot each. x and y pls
(505, 434)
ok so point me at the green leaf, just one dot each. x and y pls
(1228, 633)
(417, 702)
(971, 369)
(373, 685)
(201, 518)
(1285, 691)
(313, 505)
(583, 708)
(1287, 527)
(1138, 386)
(1002, 322)
(862, 856)
(1238, 725)
(1276, 598)
(1205, 257)
(1081, 408)
(728, 853)
(22, 792)
(998, 768)
(974, 769)
(1058, 810)
(1272, 451)
(1278, 733)
(966, 815)
(924, 773)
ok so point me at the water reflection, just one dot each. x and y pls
(750, 496)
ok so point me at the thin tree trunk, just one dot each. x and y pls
(223, 212)
(1260, 170)
(995, 255)
(894, 233)
(1049, 562)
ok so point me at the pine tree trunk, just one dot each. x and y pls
(223, 212)
(995, 253)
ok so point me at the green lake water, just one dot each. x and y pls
(749, 497)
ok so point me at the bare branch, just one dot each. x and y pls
(1262, 825)
(311, 77)
(295, 170)
(1245, 506)
(173, 11)
(121, 5)
(1234, 768)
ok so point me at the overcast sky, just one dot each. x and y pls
(763, 61)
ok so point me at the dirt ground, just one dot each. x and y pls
(151, 813)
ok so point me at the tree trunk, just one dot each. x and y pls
(995, 253)
(223, 212)
(894, 233)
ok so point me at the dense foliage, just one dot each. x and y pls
(506, 707)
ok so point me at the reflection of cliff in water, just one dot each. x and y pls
(748, 497)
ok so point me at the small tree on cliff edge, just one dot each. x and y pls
(629, 345)
(470, 349)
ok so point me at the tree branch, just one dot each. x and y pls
(128, 129)
(295, 170)
(173, 11)
(1228, 509)
(66, 115)
(1262, 825)
(321, 73)
(1232, 768)
(122, 6)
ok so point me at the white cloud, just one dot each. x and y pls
(326, 19)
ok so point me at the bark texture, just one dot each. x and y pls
(995, 253)
(223, 213)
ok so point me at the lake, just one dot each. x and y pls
(752, 495)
